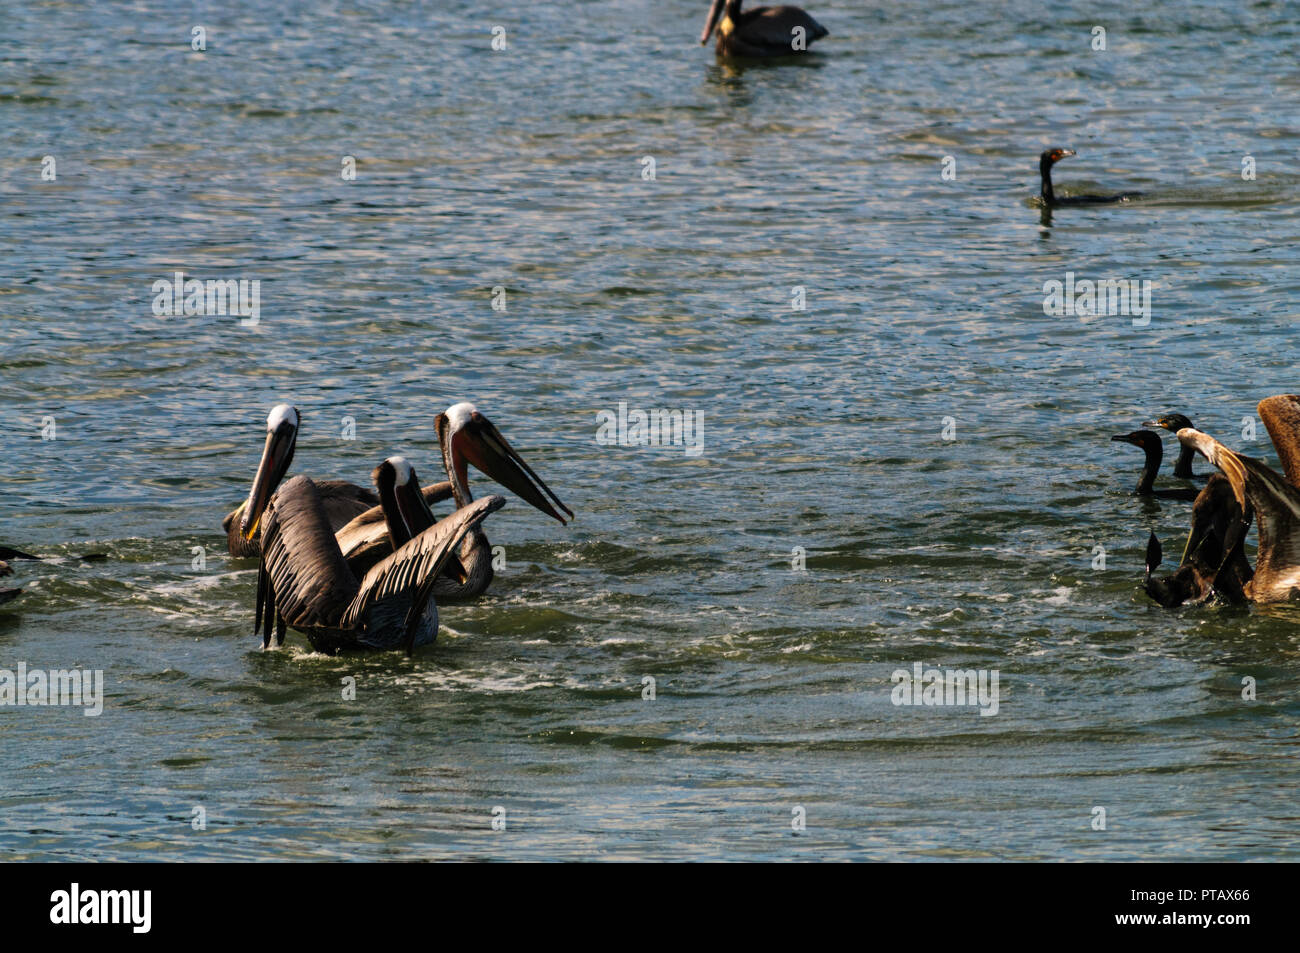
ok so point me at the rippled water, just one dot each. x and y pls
(823, 428)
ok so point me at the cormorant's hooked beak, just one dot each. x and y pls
(478, 441)
(715, 11)
(1065, 154)
(1125, 438)
(276, 457)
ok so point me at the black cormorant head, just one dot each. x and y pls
(1171, 422)
(1146, 439)
(1052, 156)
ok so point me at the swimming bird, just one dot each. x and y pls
(1048, 159)
(465, 436)
(762, 31)
(342, 500)
(6, 553)
(1275, 498)
(1149, 441)
(304, 582)
(1183, 465)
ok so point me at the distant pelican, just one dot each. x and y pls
(305, 583)
(465, 436)
(342, 501)
(760, 32)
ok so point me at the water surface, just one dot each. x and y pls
(522, 170)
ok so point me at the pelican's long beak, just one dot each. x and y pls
(715, 11)
(479, 442)
(276, 457)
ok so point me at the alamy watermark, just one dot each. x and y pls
(653, 428)
(1107, 297)
(63, 687)
(939, 687)
(215, 297)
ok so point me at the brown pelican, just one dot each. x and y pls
(465, 436)
(1274, 497)
(760, 32)
(1048, 159)
(1149, 441)
(1183, 465)
(342, 501)
(305, 583)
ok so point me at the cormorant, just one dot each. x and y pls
(1049, 158)
(1149, 441)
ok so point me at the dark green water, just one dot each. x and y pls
(823, 428)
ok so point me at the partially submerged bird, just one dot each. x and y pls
(1048, 159)
(761, 32)
(1213, 564)
(465, 436)
(304, 582)
(9, 593)
(1150, 443)
(1183, 465)
(342, 500)
(1274, 498)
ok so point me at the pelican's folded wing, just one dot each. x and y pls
(418, 562)
(774, 26)
(344, 501)
(309, 581)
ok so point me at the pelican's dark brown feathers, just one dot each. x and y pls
(364, 540)
(343, 502)
(761, 32)
(306, 584)
(1275, 500)
(308, 574)
(1281, 416)
(1214, 559)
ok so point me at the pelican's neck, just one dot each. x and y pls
(457, 472)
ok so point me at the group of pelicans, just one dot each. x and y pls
(359, 569)
(355, 569)
(1214, 566)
